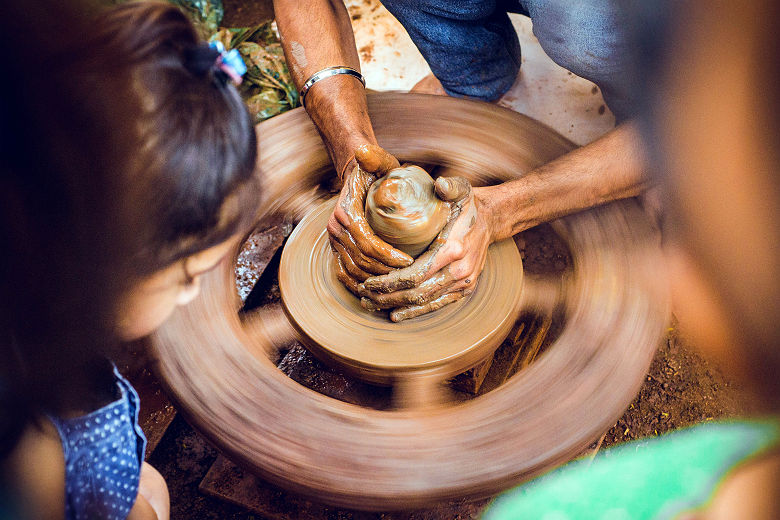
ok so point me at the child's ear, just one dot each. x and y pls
(188, 292)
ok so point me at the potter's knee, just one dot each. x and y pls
(464, 10)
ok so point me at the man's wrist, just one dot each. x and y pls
(326, 73)
(485, 208)
(494, 203)
(342, 152)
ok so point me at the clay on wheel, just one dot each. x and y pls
(213, 361)
(404, 211)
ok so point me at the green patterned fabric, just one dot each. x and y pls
(646, 479)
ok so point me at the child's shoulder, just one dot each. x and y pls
(36, 469)
(751, 492)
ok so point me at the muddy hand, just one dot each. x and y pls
(448, 270)
(359, 251)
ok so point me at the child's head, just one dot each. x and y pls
(62, 237)
(191, 183)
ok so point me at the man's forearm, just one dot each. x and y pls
(318, 34)
(607, 169)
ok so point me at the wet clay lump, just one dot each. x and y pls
(403, 209)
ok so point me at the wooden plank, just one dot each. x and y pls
(156, 412)
(230, 483)
(528, 341)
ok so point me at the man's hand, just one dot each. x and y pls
(359, 252)
(448, 270)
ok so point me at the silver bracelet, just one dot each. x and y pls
(326, 73)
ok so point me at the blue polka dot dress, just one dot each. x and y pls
(104, 451)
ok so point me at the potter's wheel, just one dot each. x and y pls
(611, 310)
(334, 325)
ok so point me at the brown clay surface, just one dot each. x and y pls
(404, 211)
(368, 343)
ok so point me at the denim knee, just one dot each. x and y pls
(590, 39)
(463, 10)
(476, 58)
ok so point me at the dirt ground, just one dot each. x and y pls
(240, 13)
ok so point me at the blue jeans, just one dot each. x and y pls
(473, 49)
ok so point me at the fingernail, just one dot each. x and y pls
(444, 183)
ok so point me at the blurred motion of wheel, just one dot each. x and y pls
(216, 363)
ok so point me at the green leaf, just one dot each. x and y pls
(266, 104)
(206, 14)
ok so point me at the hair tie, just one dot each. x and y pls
(200, 59)
(229, 62)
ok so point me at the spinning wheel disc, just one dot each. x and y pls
(334, 325)
(216, 367)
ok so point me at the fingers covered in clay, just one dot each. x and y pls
(347, 263)
(430, 288)
(442, 274)
(344, 277)
(348, 247)
(458, 275)
(412, 311)
(372, 246)
(375, 159)
(446, 272)
(405, 278)
(350, 217)
(446, 248)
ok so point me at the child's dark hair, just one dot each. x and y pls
(123, 151)
(64, 254)
(193, 175)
